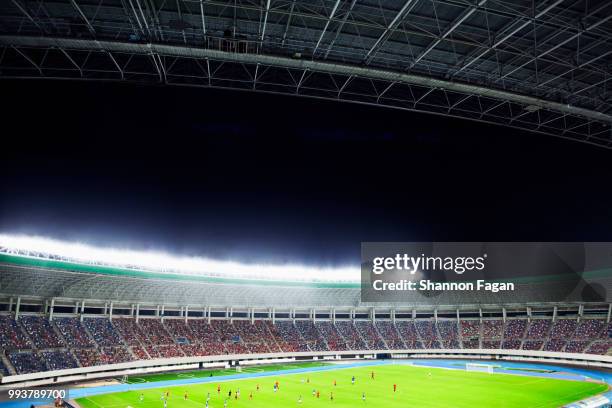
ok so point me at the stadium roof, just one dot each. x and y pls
(542, 66)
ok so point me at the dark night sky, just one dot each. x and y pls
(261, 177)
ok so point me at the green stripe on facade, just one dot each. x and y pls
(134, 273)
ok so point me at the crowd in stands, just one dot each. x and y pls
(492, 328)
(470, 328)
(515, 329)
(311, 335)
(390, 335)
(58, 359)
(11, 335)
(73, 332)
(330, 332)
(538, 329)
(351, 336)
(26, 362)
(287, 336)
(370, 335)
(34, 343)
(41, 332)
(104, 332)
(3, 369)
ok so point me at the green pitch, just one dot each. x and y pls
(216, 373)
(415, 388)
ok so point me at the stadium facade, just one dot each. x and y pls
(64, 320)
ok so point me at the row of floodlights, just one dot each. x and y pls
(163, 262)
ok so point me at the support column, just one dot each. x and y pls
(273, 315)
(554, 314)
(314, 315)
(132, 310)
(209, 314)
(82, 309)
(75, 310)
(609, 313)
(186, 313)
(458, 316)
(436, 315)
(105, 308)
(17, 306)
(413, 314)
(137, 312)
(110, 312)
(480, 314)
(529, 315)
(333, 315)
(504, 314)
(51, 309)
(11, 305)
(393, 316)
(252, 315)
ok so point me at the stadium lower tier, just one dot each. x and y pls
(33, 343)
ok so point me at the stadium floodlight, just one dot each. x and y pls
(40, 247)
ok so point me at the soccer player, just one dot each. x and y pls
(229, 394)
(275, 387)
(238, 393)
(218, 388)
(314, 392)
(331, 396)
(141, 397)
(353, 380)
(318, 394)
(372, 375)
(429, 374)
(206, 406)
(300, 399)
(185, 396)
(334, 383)
(307, 380)
(257, 386)
(394, 387)
(363, 396)
(165, 403)
(251, 396)
(225, 403)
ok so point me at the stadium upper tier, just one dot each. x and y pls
(542, 66)
(49, 278)
(33, 343)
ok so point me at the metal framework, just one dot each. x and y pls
(543, 66)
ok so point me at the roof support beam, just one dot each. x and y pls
(30, 60)
(288, 22)
(464, 16)
(265, 22)
(302, 65)
(329, 19)
(340, 27)
(507, 36)
(559, 45)
(25, 12)
(91, 29)
(399, 17)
